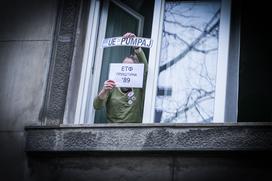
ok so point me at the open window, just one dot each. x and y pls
(113, 19)
(188, 62)
(117, 18)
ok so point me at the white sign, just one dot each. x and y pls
(127, 75)
(120, 41)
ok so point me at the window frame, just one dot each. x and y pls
(88, 61)
(93, 53)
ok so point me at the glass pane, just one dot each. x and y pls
(115, 27)
(188, 59)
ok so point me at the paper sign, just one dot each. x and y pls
(120, 41)
(127, 75)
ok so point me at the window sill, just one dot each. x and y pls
(150, 137)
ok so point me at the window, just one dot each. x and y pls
(188, 60)
(188, 63)
(131, 22)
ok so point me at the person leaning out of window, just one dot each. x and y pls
(123, 105)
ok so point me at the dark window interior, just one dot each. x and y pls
(255, 93)
(145, 8)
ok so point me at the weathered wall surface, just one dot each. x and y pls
(26, 35)
(171, 166)
(150, 152)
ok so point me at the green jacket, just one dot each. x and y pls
(125, 107)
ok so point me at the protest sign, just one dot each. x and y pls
(127, 75)
(120, 41)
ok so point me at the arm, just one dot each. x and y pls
(98, 103)
(103, 95)
(141, 57)
(138, 51)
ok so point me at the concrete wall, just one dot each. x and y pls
(145, 152)
(26, 34)
(169, 166)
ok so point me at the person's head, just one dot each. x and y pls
(130, 59)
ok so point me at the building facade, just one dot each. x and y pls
(207, 108)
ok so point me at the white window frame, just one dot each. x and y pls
(223, 60)
(92, 58)
(88, 61)
(222, 66)
(93, 53)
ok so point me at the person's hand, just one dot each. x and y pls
(108, 85)
(130, 35)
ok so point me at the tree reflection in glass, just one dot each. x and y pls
(187, 71)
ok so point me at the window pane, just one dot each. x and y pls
(188, 59)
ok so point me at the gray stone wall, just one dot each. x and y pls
(159, 152)
(149, 166)
(26, 35)
(151, 137)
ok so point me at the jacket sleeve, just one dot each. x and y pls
(141, 57)
(99, 103)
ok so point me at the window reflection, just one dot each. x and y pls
(187, 71)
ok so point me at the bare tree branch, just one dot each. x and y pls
(182, 25)
(187, 44)
(204, 95)
(176, 37)
(211, 25)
